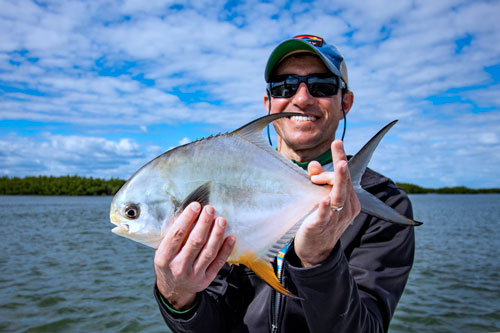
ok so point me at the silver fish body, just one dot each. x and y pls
(263, 196)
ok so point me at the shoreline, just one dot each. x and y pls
(89, 186)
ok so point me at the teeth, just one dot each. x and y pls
(303, 118)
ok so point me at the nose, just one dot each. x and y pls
(302, 97)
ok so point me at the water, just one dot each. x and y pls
(455, 283)
(61, 269)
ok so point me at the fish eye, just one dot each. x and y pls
(132, 211)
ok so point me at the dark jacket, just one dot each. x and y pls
(355, 290)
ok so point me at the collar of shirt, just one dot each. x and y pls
(323, 159)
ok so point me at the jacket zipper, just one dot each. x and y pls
(275, 307)
(276, 296)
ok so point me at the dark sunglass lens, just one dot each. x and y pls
(284, 88)
(323, 87)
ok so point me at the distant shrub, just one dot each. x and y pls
(65, 185)
(76, 185)
(415, 189)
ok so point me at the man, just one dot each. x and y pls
(349, 270)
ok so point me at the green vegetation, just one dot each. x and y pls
(66, 185)
(75, 185)
(415, 189)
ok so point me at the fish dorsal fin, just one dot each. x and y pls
(252, 132)
(201, 194)
(359, 162)
(264, 270)
(253, 129)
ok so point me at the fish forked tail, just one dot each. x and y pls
(370, 204)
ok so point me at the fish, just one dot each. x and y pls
(263, 196)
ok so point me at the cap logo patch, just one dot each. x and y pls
(313, 40)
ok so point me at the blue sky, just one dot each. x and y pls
(98, 88)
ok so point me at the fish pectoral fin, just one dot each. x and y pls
(265, 271)
(201, 194)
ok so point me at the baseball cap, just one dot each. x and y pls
(328, 53)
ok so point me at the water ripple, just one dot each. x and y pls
(64, 271)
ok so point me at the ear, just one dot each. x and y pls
(266, 101)
(348, 101)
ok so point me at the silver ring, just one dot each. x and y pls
(337, 209)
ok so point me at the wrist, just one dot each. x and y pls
(176, 301)
(180, 302)
(313, 261)
(316, 258)
(178, 312)
(295, 264)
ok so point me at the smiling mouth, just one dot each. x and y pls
(303, 118)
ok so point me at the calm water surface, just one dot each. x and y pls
(61, 269)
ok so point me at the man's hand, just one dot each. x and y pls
(189, 257)
(320, 232)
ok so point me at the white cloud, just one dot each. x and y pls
(61, 155)
(127, 67)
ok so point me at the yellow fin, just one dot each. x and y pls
(264, 270)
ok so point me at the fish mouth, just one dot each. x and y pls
(121, 228)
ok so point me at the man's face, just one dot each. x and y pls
(314, 132)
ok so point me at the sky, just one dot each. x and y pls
(99, 88)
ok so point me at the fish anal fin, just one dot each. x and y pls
(264, 270)
(201, 194)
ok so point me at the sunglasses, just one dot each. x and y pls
(319, 85)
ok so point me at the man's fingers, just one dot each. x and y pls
(323, 215)
(177, 232)
(355, 205)
(340, 182)
(212, 246)
(314, 168)
(323, 178)
(221, 258)
(338, 152)
(341, 175)
(198, 236)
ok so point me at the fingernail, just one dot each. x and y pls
(209, 209)
(314, 177)
(195, 207)
(221, 222)
(231, 241)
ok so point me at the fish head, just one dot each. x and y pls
(142, 211)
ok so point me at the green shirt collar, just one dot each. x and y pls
(323, 159)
